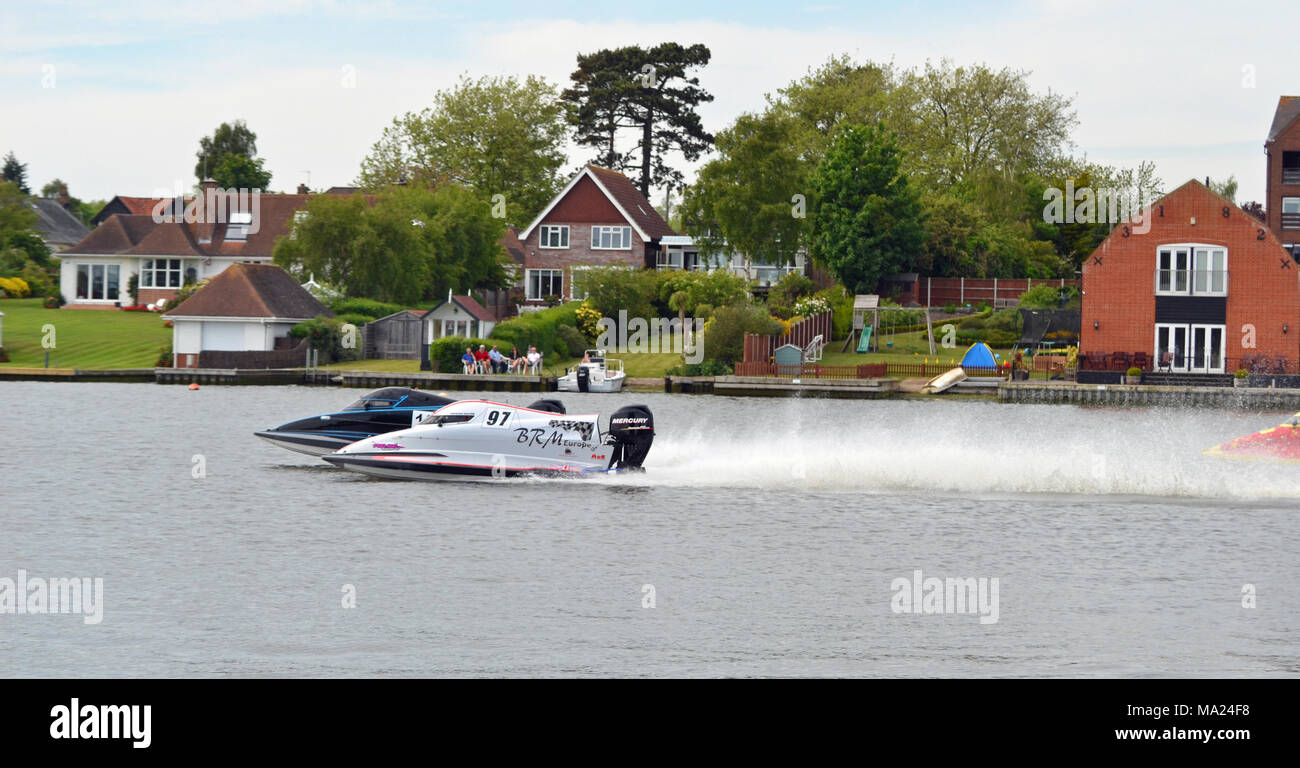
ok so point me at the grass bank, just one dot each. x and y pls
(83, 338)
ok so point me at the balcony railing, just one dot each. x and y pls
(1291, 175)
(1189, 282)
(1291, 221)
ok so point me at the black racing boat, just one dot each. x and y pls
(383, 410)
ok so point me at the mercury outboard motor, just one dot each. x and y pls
(548, 405)
(584, 379)
(631, 431)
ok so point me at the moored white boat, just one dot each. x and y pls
(944, 381)
(596, 373)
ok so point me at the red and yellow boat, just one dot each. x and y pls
(1280, 443)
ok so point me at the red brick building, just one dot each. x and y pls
(1282, 187)
(1208, 289)
(600, 218)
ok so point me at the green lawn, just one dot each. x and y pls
(83, 338)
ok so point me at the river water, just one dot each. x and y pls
(766, 538)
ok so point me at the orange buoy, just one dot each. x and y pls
(194, 386)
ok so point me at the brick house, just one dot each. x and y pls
(1282, 186)
(600, 218)
(1208, 289)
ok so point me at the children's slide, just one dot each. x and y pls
(865, 341)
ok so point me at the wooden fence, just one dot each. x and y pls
(759, 348)
(862, 371)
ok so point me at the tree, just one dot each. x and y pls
(229, 156)
(867, 218)
(16, 172)
(494, 135)
(746, 198)
(648, 91)
(413, 244)
(52, 189)
(1226, 188)
(1254, 209)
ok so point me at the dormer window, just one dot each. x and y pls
(237, 228)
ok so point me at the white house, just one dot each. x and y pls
(682, 252)
(458, 316)
(246, 308)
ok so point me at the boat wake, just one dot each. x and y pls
(944, 450)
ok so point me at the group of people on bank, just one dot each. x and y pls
(493, 360)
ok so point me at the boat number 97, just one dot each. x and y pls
(497, 418)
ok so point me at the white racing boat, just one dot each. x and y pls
(595, 373)
(483, 440)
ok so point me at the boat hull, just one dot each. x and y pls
(1280, 444)
(570, 384)
(480, 467)
(944, 382)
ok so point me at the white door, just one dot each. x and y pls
(225, 337)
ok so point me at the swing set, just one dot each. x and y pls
(869, 336)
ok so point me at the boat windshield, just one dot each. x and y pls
(448, 418)
(389, 397)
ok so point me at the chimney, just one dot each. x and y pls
(206, 197)
(63, 196)
(302, 189)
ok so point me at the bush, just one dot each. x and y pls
(610, 289)
(164, 357)
(588, 321)
(445, 353)
(702, 368)
(368, 307)
(327, 335)
(186, 291)
(356, 318)
(1048, 296)
(724, 337)
(1134, 371)
(4, 356)
(538, 329)
(1242, 373)
(15, 287)
(55, 301)
(789, 289)
(995, 339)
(573, 341)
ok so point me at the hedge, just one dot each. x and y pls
(445, 353)
(538, 329)
(368, 307)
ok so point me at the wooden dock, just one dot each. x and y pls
(763, 386)
(1125, 395)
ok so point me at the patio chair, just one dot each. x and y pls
(1279, 365)
(1141, 360)
(1166, 363)
(1119, 361)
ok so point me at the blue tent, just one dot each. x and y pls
(979, 356)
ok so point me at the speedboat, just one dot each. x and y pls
(595, 373)
(1280, 443)
(485, 440)
(374, 413)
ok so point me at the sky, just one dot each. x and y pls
(113, 97)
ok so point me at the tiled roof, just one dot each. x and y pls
(470, 305)
(251, 290)
(1288, 109)
(57, 223)
(631, 200)
(514, 248)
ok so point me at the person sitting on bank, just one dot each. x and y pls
(498, 360)
(467, 360)
(481, 360)
(515, 361)
(534, 360)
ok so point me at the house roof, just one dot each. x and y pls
(126, 233)
(125, 204)
(251, 290)
(470, 305)
(514, 248)
(1288, 109)
(56, 223)
(622, 193)
(416, 312)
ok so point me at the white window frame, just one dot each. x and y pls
(1189, 278)
(237, 227)
(150, 271)
(1295, 200)
(599, 231)
(545, 231)
(1185, 360)
(528, 284)
(106, 270)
